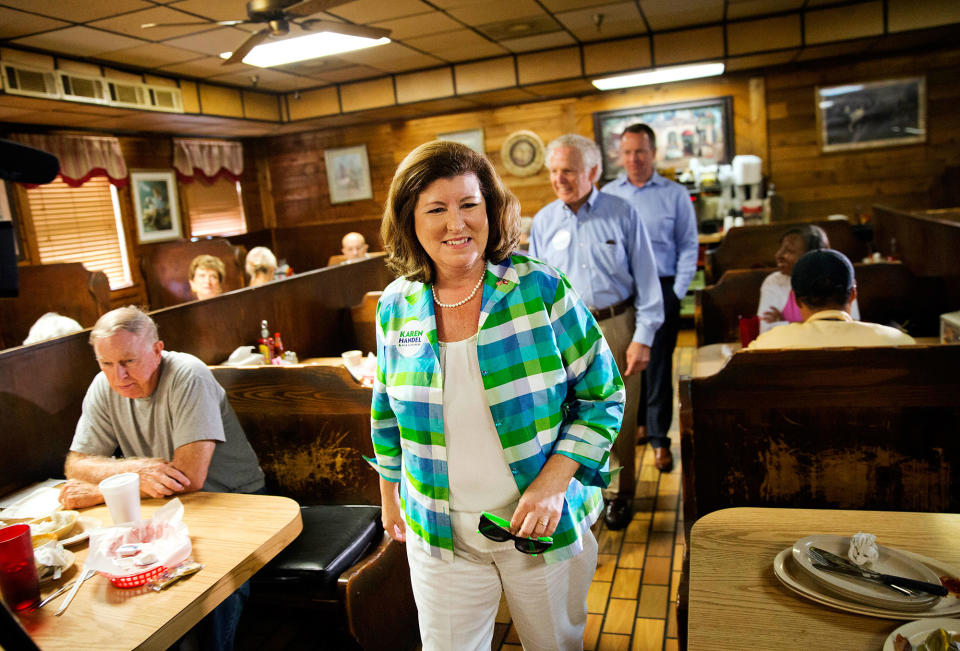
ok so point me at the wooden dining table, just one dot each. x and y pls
(737, 602)
(233, 535)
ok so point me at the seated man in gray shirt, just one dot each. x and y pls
(174, 427)
(164, 410)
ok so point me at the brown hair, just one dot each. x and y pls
(443, 159)
(813, 237)
(641, 128)
(208, 262)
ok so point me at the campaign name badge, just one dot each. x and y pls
(561, 240)
(412, 336)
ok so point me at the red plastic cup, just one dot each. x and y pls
(19, 583)
(749, 329)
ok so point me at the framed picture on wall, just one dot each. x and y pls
(348, 174)
(872, 114)
(701, 129)
(472, 138)
(155, 205)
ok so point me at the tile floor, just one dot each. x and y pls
(630, 606)
(631, 600)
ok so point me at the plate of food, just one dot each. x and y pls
(58, 523)
(935, 634)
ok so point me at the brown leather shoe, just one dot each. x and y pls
(663, 459)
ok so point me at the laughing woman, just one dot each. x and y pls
(495, 392)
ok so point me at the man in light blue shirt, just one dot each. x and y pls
(668, 214)
(601, 244)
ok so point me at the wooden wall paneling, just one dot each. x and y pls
(296, 160)
(814, 184)
(310, 310)
(41, 391)
(42, 385)
(310, 247)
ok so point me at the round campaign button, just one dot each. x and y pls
(412, 336)
(561, 240)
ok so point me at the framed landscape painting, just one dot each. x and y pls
(701, 129)
(348, 174)
(155, 205)
(872, 114)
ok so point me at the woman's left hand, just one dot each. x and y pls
(538, 512)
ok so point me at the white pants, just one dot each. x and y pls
(457, 602)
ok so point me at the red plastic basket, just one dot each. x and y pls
(136, 580)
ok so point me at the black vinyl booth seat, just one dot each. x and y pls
(334, 537)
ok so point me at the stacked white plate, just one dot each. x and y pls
(890, 561)
(795, 570)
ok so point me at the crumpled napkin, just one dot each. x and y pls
(164, 535)
(51, 560)
(863, 548)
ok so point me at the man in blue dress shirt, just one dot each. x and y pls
(601, 244)
(668, 214)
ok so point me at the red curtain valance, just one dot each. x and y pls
(207, 159)
(82, 157)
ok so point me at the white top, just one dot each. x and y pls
(480, 479)
(775, 291)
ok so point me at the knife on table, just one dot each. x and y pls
(827, 561)
(84, 575)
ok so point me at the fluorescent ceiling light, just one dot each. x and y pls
(301, 48)
(660, 76)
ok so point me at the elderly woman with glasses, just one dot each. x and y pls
(495, 404)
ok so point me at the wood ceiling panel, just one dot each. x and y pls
(213, 42)
(391, 57)
(77, 11)
(149, 56)
(671, 14)
(619, 19)
(539, 42)
(370, 11)
(78, 41)
(15, 23)
(419, 25)
(202, 67)
(747, 8)
(480, 13)
(460, 45)
(130, 24)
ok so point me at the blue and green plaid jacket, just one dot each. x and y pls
(549, 378)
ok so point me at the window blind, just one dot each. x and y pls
(81, 225)
(215, 208)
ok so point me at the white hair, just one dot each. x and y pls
(260, 259)
(589, 151)
(51, 325)
(124, 319)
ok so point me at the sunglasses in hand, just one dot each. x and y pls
(498, 530)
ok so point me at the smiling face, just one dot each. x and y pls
(791, 249)
(571, 180)
(450, 220)
(130, 362)
(205, 283)
(637, 157)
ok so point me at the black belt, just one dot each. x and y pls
(614, 310)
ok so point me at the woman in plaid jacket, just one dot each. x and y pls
(495, 392)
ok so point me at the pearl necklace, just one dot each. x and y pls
(459, 303)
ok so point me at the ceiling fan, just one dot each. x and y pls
(277, 15)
